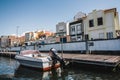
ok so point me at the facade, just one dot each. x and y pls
(29, 36)
(5, 41)
(76, 27)
(50, 39)
(62, 32)
(42, 35)
(102, 24)
(22, 40)
(13, 39)
(76, 30)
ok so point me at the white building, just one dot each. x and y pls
(62, 32)
(76, 27)
(102, 24)
(29, 36)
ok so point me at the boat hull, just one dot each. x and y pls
(42, 63)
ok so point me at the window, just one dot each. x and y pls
(73, 38)
(79, 38)
(100, 21)
(78, 27)
(61, 29)
(72, 30)
(101, 35)
(91, 23)
(109, 35)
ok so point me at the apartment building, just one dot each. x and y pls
(76, 30)
(29, 36)
(76, 27)
(62, 32)
(102, 24)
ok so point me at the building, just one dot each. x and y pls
(21, 40)
(46, 37)
(62, 32)
(51, 39)
(5, 41)
(102, 24)
(29, 36)
(76, 27)
(12, 39)
(42, 35)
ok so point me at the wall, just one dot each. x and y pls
(106, 45)
(99, 45)
(76, 46)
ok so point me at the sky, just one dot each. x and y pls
(19, 16)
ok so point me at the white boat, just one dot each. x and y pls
(33, 58)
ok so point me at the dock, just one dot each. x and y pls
(100, 60)
(88, 59)
(8, 54)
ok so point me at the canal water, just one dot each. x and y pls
(11, 70)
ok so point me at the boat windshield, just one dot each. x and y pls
(29, 52)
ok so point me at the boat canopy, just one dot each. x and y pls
(29, 52)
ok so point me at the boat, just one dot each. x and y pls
(34, 59)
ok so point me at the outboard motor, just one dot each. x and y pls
(56, 58)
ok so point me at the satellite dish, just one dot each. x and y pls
(79, 15)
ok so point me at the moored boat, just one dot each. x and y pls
(34, 59)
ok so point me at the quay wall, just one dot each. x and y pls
(99, 46)
(106, 45)
(112, 46)
(75, 46)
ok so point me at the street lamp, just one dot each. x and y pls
(17, 34)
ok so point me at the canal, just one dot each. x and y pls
(11, 70)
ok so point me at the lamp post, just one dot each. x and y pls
(17, 34)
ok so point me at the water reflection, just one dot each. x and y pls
(31, 74)
(25, 73)
(65, 74)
